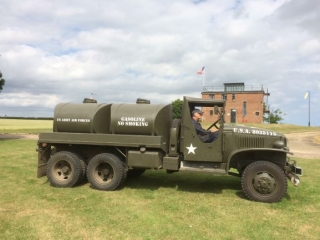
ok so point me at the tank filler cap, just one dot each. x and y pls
(89, 100)
(142, 149)
(142, 101)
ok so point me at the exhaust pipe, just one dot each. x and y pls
(294, 179)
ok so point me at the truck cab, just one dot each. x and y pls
(190, 144)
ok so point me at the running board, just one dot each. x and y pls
(201, 167)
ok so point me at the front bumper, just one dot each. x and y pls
(297, 170)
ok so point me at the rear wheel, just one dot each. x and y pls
(83, 174)
(64, 169)
(105, 172)
(264, 182)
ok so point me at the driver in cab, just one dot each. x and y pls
(205, 135)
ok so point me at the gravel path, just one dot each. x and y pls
(19, 136)
(303, 144)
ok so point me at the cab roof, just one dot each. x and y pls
(204, 101)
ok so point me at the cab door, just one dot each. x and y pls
(196, 150)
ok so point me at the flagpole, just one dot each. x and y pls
(309, 108)
(204, 79)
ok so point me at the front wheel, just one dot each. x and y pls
(105, 172)
(264, 182)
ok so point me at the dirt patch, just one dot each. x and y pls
(304, 144)
(19, 136)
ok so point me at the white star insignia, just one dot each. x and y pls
(191, 149)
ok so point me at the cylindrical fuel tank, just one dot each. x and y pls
(82, 118)
(141, 119)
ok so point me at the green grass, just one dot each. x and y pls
(155, 206)
(25, 126)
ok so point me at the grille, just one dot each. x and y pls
(250, 142)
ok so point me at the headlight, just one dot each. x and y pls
(279, 144)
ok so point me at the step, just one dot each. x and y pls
(201, 167)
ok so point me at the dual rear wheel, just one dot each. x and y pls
(104, 172)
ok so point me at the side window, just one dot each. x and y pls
(224, 96)
(244, 110)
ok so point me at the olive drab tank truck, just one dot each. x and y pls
(108, 144)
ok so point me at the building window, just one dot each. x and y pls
(257, 113)
(211, 96)
(234, 87)
(233, 97)
(224, 96)
(211, 112)
(244, 110)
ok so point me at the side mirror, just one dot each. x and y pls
(216, 110)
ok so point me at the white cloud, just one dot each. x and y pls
(120, 50)
(311, 46)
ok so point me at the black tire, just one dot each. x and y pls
(105, 172)
(83, 174)
(64, 169)
(264, 182)
(134, 173)
(125, 172)
(176, 123)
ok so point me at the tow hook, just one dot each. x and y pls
(294, 179)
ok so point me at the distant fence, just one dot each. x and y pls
(245, 88)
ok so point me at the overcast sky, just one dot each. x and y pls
(66, 50)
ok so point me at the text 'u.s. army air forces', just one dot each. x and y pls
(80, 120)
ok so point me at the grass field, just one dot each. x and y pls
(25, 126)
(155, 206)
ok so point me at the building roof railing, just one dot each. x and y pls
(245, 88)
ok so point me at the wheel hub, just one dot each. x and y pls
(105, 172)
(264, 183)
(65, 170)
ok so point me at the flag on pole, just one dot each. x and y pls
(306, 95)
(201, 71)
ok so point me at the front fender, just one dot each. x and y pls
(247, 156)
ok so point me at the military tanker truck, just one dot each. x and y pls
(109, 143)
